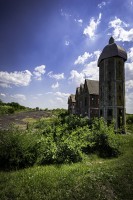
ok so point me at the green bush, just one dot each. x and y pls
(57, 142)
(74, 121)
(4, 109)
(129, 119)
(107, 143)
(18, 149)
(46, 150)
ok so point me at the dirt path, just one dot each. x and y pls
(20, 118)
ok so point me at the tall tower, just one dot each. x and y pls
(112, 84)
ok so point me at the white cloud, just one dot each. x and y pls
(22, 78)
(83, 58)
(129, 68)
(121, 30)
(129, 102)
(102, 4)
(129, 85)
(4, 85)
(39, 71)
(79, 21)
(67, 43)
(56, 85)
(3, 95)
(92, 27)
(56, 76)
(90, 71)
(19, 97)
(61, 94)
(77, 77)
(130, 54)
(96, 54)
(59, 99)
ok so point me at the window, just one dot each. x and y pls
(101, 112)
(110, 112)
(85, 101)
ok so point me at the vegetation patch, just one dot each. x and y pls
(57, 140)
(52, 149)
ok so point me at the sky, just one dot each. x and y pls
(49, 47)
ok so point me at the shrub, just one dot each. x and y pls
(57, 142)
(4, 109)
(129, 119)
(46, 150)
(18, 149)
(107, 143)
(74, 121)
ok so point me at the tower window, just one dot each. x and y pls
(101, 112)
(110, 112)
(85, 101)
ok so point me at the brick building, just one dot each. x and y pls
(71, 104)
(105, 98)
(86, 99)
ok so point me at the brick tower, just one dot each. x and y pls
(112, 84)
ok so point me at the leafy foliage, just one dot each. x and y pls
(10, 108)
(107, 144)
(61, 139)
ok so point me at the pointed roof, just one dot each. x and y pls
(93, 86)
(78, 90)
(111, 50)
(72, 97)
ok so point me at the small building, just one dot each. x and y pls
(86, 100)
(92, 98)
(112, 84)
(71, 104)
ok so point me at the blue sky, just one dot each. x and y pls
(48, 47)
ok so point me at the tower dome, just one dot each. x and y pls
(111, 50)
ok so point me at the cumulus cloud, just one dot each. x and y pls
(56, 76)
(121, 30)
(96, 54)
(92, 27)
(56, 85)
(19, 97)
(77, 77)
(17, 78)
(2, 94)
(83, 58)
(90, 71)
(39, 71)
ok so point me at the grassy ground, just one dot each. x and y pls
(94, 178)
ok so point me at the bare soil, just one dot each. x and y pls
(20, 118)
